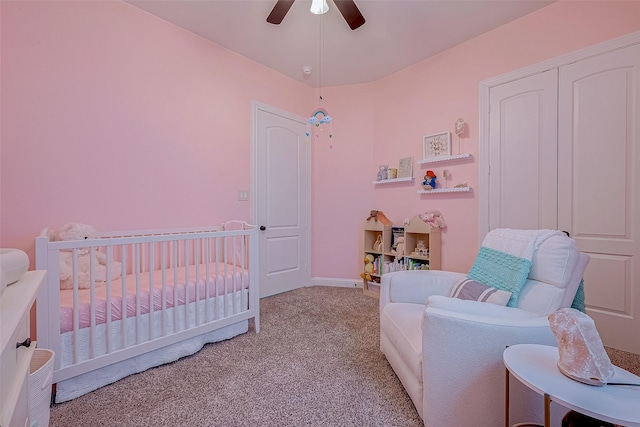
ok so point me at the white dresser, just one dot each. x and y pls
(15, 307)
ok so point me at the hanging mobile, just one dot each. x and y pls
(320, 116)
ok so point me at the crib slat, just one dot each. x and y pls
(207, 278)
(163, 257)
(92, 293)
(225, 268)
(243, 299)
(175, 288)
(234, 261)
(76, 309)
(187, 302)
(123, 325)
(138, 310)
(109, 309)
(152, 267)
(197, 261)
(217, 277)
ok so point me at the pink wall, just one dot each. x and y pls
(428, 98)
(132, 108)
(106, 110)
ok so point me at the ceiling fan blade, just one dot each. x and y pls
(279, 11)
(350, 12)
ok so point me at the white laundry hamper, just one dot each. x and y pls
(40, 376)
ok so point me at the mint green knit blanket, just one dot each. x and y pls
(502, 271)
(578, 300)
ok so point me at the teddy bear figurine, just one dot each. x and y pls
(78, 231)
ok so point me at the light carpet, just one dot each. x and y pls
(315, 362)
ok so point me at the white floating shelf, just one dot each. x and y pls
(446, 190)
(445, 158)
(391, 181)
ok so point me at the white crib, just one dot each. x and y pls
(166, 294)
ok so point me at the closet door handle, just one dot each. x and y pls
(26, 343)
(262, 228)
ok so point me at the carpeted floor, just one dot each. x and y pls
(315, 362)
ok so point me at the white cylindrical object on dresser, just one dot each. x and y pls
(13, 264)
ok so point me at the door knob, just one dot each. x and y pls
(26, 343)
(262, 228)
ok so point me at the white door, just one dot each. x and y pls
(282, 199)
(522, 153)
(599, 186)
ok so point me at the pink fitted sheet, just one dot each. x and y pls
(227, 278)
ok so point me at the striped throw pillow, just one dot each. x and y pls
(468, 289)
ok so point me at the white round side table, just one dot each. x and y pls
(535, 366)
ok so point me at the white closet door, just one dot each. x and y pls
(522, 153)
(599, 185)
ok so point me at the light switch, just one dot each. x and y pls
(243, 195)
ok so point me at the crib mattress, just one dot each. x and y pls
(137, 288)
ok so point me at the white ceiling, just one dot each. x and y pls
(396, 34)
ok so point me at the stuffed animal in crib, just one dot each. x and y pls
(78, 231)
(368, 267)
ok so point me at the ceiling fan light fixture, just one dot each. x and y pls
(318, 7)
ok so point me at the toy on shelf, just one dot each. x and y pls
(447, 177)
(430, 180)
(383, 172)
(398, 248)
(377, 245)
(379, 216)
(433, 218)
(368, 267)
(421, 249)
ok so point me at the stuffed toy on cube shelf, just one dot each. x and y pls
(368, 267)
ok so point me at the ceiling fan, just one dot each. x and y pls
(347, 8)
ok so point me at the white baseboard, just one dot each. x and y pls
(340, 283)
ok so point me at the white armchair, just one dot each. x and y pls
(447, 352)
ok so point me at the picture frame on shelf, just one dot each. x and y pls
(436, 145)
(405, 167)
